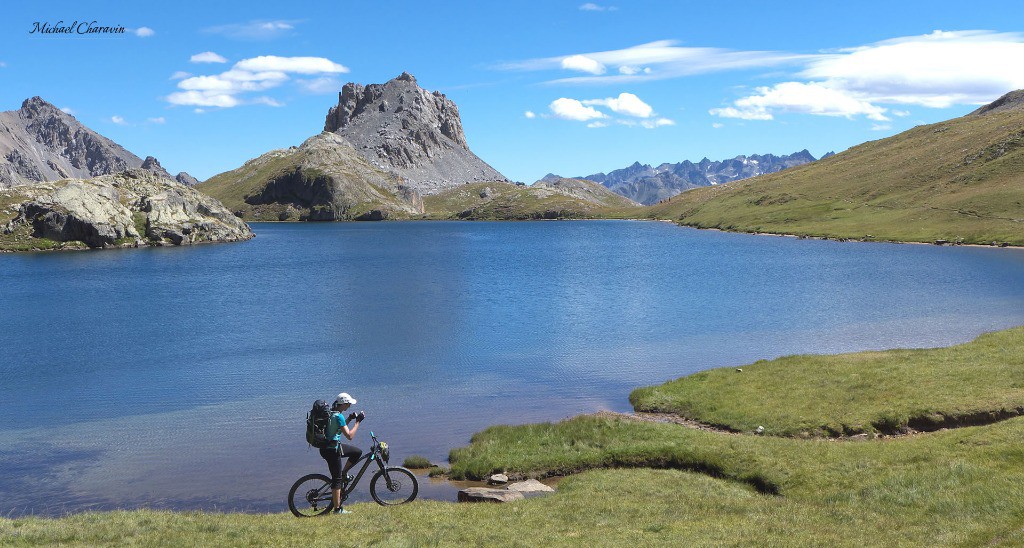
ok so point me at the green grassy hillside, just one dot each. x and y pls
(324, 179)
(959, 180)
(569, 199)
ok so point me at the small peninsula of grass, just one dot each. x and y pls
(847, 394)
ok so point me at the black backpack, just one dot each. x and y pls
(317, 421)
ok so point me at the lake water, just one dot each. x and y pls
(180, 378)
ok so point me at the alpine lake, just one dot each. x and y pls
(180, 377)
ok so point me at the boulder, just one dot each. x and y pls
(484, 494)
(530, 486)
(497, 479)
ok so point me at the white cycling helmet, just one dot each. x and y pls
(344, 398)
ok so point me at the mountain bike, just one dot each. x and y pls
(390, 485)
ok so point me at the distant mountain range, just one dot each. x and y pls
(648, 185)
(39, 142)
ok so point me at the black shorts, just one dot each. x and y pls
(334, 456)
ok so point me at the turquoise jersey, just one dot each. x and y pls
(334, 427)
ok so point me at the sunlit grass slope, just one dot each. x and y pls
(958, 180)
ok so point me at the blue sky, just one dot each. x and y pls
(568, 87)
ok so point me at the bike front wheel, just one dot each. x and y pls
(310, 496)
(393, 485)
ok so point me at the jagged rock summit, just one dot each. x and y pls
(414, 133)
(39, 142)
(1011, 101)
(384, 147)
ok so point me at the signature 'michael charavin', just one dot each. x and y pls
(76, 27)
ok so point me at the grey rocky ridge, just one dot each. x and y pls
(384, 147)
(648, 185)
(129, 209)
(40, 142)
(409, 131)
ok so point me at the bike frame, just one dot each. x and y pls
(371, 456)
(366, 458)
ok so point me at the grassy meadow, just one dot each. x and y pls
(663, 484)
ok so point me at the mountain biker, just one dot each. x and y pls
(336, 451)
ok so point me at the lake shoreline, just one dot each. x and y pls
(677, 223)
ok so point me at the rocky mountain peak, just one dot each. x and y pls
(417, 134)
(36, 106)
(1011, 101)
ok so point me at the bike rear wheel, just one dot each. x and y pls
(398, 486)
(310, 496)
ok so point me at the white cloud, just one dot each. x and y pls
(118, 120)
(530, 114)
(880, 127)
(157, 120)
(301, 65)
(662, 59)
(934, 70)
(583, 63)
(590, 6)
(178, 75)
(198, 110)
(269, 101)
(2, 64)
(807, 98)
(717, 125)
(660, 122)
(144, 32)
(67, 110)
(630, 70)
(937, 70)
(256, 74)
(732, 112)
(625, 103)
(253, 30)
(597, 124)
(319, 86)
(207, 57)
(571, 109)
(203, 99)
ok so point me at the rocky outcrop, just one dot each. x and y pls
(129, 209)
(1011, 101)
(648, 185)
(186, 179)
(414, 133)
(39, 142)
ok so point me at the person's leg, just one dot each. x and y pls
(352, 453)
(333, 458)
